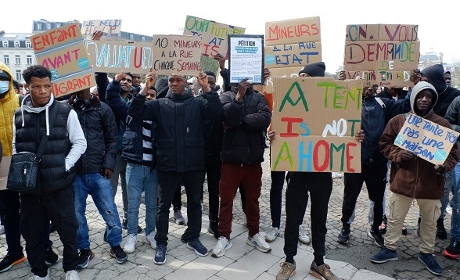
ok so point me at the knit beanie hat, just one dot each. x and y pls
(315, 69)
(162, 87)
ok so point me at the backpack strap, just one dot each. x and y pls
(379, 100)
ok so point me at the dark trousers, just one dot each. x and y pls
(375, 179)
(213, 164)
(243, 197)
(168, 184)
(177, 198)
(232, 176)
(320, 187)
(276, 196)
(36, 212)
(10, 205)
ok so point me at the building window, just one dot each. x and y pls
(131, 36)
(17, 59)
(5, 44)
(143, 38)
(39, 26)
(58, 24)
(6, 59)
(49, 25)
(29, 60)
(16, 44)
(18, 75)
(28, 44)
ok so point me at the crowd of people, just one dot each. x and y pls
(155, 139)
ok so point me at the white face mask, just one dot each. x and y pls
(4, 86)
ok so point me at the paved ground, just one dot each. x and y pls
(245, 262)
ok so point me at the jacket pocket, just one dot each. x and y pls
(166, 153)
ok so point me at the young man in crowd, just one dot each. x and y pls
(54, 198)
(414, 178)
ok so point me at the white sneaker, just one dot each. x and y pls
(2, 229)
(272, 234)
(36, 277)
(130, 244)
(223, 244)
(303, 236)
(259, 242)
(151, 240)
(71, 275)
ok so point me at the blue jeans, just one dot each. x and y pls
(100, 190)
(138, 178)
(455, 204)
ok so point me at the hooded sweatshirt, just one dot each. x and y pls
(446, 94)
(9, 102)
(415, 178)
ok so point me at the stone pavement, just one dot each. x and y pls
(245, 262)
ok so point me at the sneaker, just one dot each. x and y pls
(9, 260)
(150, 238)
(2, 229)
(36, 277)
(71, 275)
(160, 255)
(223, 244)
(85, 256)
(214, 230)
(259, 242)
(178, 218)
(118, 253)
(50, 256)
(272, 234)
(384, 255)
(321, 271)
(130, 244)
(441, 232)
(344, 235)
(286, 272)
(303, 236)
(430, 263)
(452, 250)
(196, 246)
(377, 236)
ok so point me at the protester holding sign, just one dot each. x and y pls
(414, 178)
(179, 150)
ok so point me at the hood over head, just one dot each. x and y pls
(435, 74)
(416, 90)
(5, 72)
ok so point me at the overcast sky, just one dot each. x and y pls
(437, 26)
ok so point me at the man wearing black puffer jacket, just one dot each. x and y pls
(94, 169)
(246, 118)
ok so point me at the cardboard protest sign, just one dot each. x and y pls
(62, 50)
(290, 45)
(316, 120)
(387, 52)
(108, 26)
(426, 139)
(113, 56)
(178, 54)
(214, 37)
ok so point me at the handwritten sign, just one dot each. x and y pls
(62, 50)
(290, 45)
(108, 26)
(387, 52)
(316, 120)
(113, 56)
(426, 139)
(178, 54)
(246, 54)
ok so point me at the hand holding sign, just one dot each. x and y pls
(439, 168)
(202, 79)
(243, 85)
(119, 76)
(407, 156)
(97, 35)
